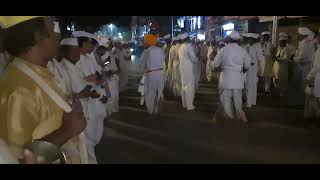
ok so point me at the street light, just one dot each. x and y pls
(111, 25)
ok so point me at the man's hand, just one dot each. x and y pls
(244, 70)
(75, 121)
(104, 99)
(91, 78)
(94, 94)
(85, 93)
(99, 82)
(27, 157)
(310, 82)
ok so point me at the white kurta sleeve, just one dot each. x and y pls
(143, 61)
(247, 60)
(268, 50)
(316, 66)
(218, 59)
(191, 55)
(301, 55)
(253, 54)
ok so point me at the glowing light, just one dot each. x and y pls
(228, 33)
(201, 36)
(229, 26)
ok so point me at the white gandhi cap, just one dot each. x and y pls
(70, 42)
(167, 36)
(235, 35)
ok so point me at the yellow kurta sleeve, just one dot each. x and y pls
(22, 119)
(26, 111)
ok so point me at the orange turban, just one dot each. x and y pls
(150, 39)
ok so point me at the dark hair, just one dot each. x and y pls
(94, 42)
(63, 50)
(23, 36)
(187, 39)
(82, 40)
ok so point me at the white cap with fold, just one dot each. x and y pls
(304, 31)
(85, 34)
(104, 41)
(265, 32)
(253, 35)
(245, 34)
(283, 38)
(70, 42)
(81, 34)
(235, 35)
(168, 36)
(56, 28)
(183, 36)
(283, 34)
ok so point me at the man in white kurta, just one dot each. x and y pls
(123, 66)
(103, 57)
(89, 68)
(188, 77)
(197, 66)
(169, 70)
(266, 64)
(203, 59)
(210, 56)
(152, 61)
(112, 76)
(176, 75)
(245, 41)
(312, 103)
(302, 64)
(251, 75)
(231, 60)
(4, 57)
(280, 67)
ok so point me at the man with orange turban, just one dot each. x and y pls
(152, 60)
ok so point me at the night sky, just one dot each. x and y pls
(120, 21)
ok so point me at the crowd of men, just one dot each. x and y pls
(59, 92)
(243, 64)
(55, 91)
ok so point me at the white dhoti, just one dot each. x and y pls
(176, 78)
(280, 71)
(251, 86)
(153, 90)
(197, 72)
(203, 69)
(113, 101)
(141, 90)
(95, 125)
(266, 66)
(209, 71)
(123, 76)
(188, 84)
(232, 103)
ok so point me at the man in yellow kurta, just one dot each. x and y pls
(27, 111)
